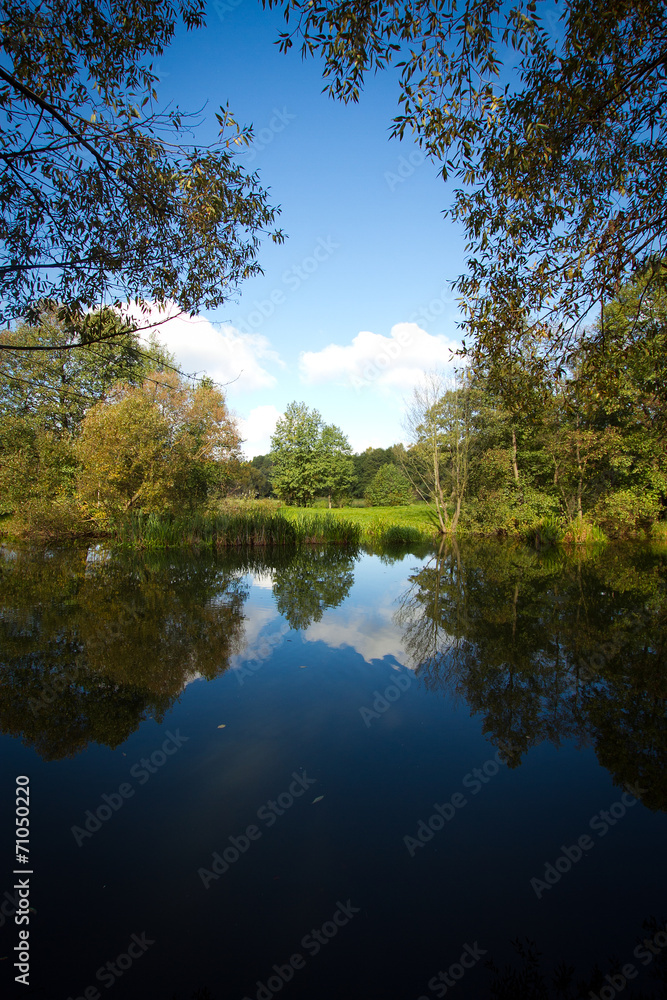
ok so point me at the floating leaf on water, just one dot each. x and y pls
(318, 799)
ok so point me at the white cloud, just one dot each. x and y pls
(257, 428)
(221, 352)
(394, 362)
(263, 632)
(370, 629)
(364, 636)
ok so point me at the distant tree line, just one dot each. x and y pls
(359, 476)
(537, 446)
(531, 446)
(97, 430)
(92, 431)
(102, 426)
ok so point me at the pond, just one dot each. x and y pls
(331, 773)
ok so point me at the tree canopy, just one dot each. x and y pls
(309, 458)
(554, 128)
(389, 488)
(57, 386)
(160, 446)
(92, 430)
(102, 199)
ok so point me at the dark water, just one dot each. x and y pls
(335, 774)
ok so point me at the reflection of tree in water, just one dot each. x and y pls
(550, 648)
(527, 978)
(626, 715)
(311, 581)
(90, 648)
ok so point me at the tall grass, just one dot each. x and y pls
(244, 529)
(582, 532)
(382, 526)
(548, 531)
(317, 528)
(388, 535)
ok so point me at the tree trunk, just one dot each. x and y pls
(579, 483)
(515, 467)
(457, 512)
(440, 504)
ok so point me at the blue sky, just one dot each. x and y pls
(356, 303)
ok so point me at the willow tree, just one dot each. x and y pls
(103, 197)
(554, 129)
(440, 422)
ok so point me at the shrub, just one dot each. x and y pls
(389, 488)
(659, 532)
(37, 473)
(509, 510)
(582, 532)
(548, 531)
(627, 511)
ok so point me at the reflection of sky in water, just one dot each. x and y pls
(364, 620)
(379, 777)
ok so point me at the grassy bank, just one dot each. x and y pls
(288, 526)
(249, 528)
(380, 525)
(251, 523)
(236, 523)
(417, 522)
(416, 515)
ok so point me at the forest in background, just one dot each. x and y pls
(93, 433)
(550, 429)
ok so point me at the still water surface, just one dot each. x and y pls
(336, 774)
